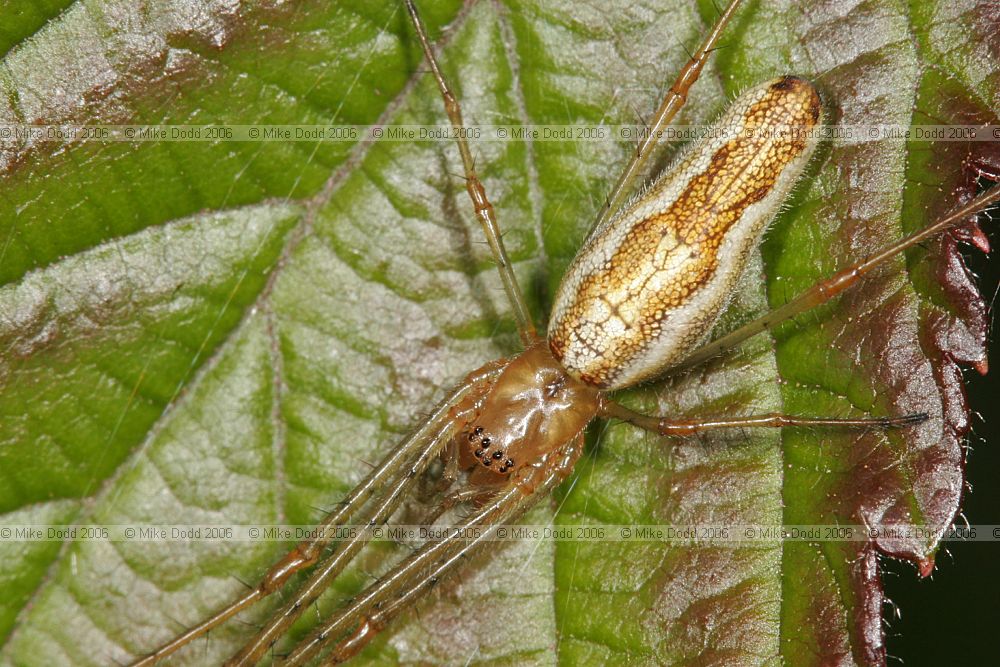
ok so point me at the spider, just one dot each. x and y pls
(540, 490)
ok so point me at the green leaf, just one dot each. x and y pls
(214, 332)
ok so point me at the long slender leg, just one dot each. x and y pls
(417, 574)
(328, 570)
(445, 425)
(376, 621)
(307, 552)
(671, 104)
(823, 291)
(686, 427)
(451, 500)
(484, 209)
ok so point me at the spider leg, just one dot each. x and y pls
(328, 570)
(454, 499)
(307, 552)
(398, 473)
(483, 208)
(823, 291)
(687, 427)
(417, 574)
(669, 107)
(451, 471)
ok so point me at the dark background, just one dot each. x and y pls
(953, 617)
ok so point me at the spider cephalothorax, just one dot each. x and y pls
(532, 408)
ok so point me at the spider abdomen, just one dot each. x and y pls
(648, 285)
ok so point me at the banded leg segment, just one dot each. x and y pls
(672, 103)
(373, 609)
(688, 427)
(480, 203)
(823, 291)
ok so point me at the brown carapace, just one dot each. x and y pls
(533, 407)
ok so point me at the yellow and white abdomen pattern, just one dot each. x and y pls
(648, 284)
